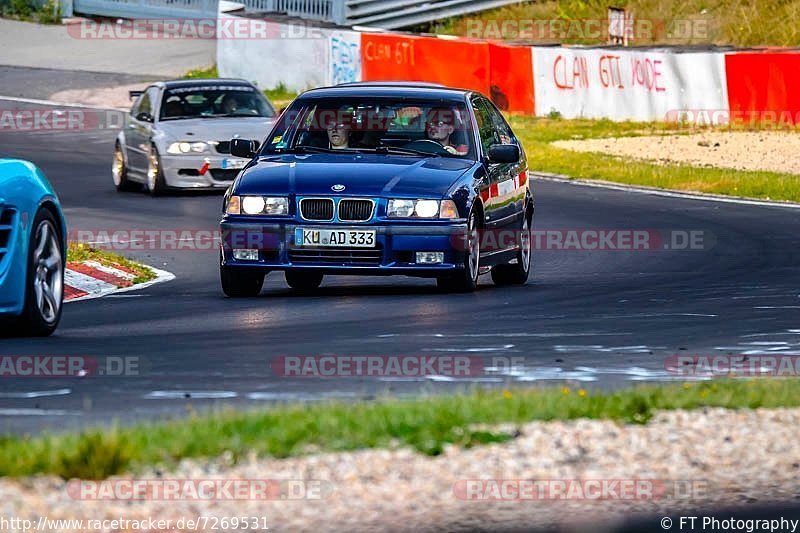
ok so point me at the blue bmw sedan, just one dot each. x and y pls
(32, 250)
(380, 179)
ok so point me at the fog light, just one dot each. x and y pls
(246, 255)
(430, 258)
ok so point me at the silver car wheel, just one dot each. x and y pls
(48, 282)
(525, 244)
(474, 248)
(152, 170)
(118, 167)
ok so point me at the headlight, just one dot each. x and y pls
(401, 208)
(187, 147)
(257, 205)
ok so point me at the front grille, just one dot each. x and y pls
(337, 257)
(317, 208)
(6, 225)
(224, 174)
(355, 210)
(223, 147)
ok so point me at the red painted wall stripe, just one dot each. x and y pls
(759, 82)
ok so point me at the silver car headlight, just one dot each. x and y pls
(188, 147)
(402, 208)
(257, 205)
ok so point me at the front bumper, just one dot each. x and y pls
(394, 253)
(184, 171)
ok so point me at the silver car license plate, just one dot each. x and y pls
(343, 238)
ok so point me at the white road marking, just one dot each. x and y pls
(59, 104)
(600, 184)
(36, 394)
(193, 395)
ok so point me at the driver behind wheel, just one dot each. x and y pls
(339, 125)
(440, 126)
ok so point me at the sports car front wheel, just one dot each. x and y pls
(44, 291)
(466, 280)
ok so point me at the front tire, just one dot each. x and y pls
(240, 282)
(517, 273)
(44, 290)
(119, 171)
(156, 184)
(466, 280)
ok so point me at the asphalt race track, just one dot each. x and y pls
(604, 318)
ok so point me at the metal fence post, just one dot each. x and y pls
(339, 12)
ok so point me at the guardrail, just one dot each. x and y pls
(388, 14)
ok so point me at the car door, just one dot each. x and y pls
(512, 183)
(139, 130)
(500, 190)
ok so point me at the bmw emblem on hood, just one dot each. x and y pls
(338, 187)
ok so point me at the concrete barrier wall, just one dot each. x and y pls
(297, 57)
(614, 83)
(625, 84)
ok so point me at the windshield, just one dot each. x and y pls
(209, 101)
(390, 126)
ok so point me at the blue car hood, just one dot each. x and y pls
(361, 174)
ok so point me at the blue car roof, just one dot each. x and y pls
(389, 89)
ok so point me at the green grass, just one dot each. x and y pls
(46, 12)
(80, 252)
(536, 135)
(736, 22)
(424, 424)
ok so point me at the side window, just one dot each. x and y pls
(145, 102)
(485, 124)
(503, 131)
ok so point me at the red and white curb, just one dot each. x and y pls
(85, 280)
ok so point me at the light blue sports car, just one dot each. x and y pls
(33, 240)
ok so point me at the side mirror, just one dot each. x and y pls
(144, 117)
(244, 148)
(504, 153)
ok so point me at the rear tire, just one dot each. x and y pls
(240, 282)
(44, 284)
(119, 171)
(517, 273)
(466, 280)
(303, 281)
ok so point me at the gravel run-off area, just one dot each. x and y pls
(724, 457)
(764, 150)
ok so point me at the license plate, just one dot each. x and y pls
(345, 238)
(233, 163)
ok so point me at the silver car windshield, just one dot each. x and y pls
(211, 101)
